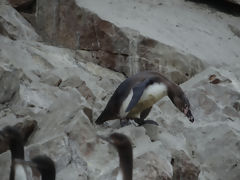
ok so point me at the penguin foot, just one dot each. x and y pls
(140, 122)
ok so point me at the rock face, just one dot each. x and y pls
(63, 90)
(119, 49)
(13, 25)
(183, 168)
(10, 85)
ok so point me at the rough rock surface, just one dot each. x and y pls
(64, 90)
(13, 25)
(119, 49)
(183, 168)
(9, 84)
(192, 28)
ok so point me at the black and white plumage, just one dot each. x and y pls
(134, 98)
(42, 167)
(124, 147)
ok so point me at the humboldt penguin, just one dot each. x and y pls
(124, 147)
(40, 166)
(134, 98)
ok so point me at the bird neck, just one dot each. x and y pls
(172, 91)
(126, 163)
(47, 176)
(17, 150)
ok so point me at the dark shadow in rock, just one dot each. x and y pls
(88, 113)
(25, 6)
(221, 5)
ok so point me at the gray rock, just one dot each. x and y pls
(183, 167)
(149, 166)
(13, 25)
(120, 49)
(9, 84)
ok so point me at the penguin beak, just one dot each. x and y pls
(189, 115)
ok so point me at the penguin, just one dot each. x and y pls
(40, 165)
(124, 147)
(134, 98)
(45, 166)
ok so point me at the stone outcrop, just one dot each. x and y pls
(149, 166)
(119, 49)
(9, 84)
(183, 167)
(14, 26)
(160, 57)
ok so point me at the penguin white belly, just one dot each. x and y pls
(125, 104)
(20, 173)
(153, 93)
(149, 97)
(119, 175)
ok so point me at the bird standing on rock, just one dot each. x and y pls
(41, 166)
(134, 98)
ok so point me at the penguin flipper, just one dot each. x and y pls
(137, 93)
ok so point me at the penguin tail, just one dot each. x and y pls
(104, 116)
(100, 119)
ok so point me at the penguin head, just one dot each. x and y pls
(124, 147)
(13, 138)
(118, 140)
(182, 103)
(45, 166)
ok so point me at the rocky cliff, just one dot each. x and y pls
(60, 61)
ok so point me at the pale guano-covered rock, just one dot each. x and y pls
(14, 26)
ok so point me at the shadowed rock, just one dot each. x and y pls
(183, 167)
(9, 84)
